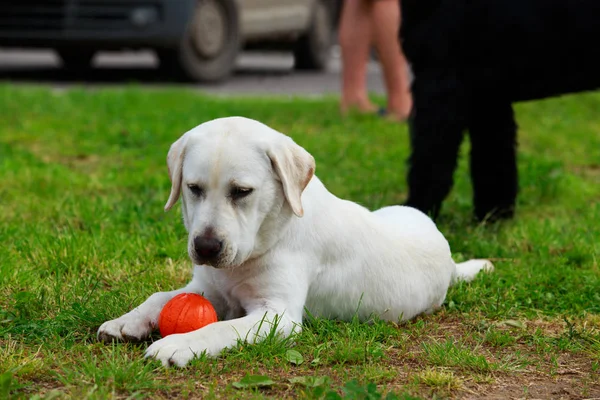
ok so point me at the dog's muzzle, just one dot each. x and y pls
(207, 248)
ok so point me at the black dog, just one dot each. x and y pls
(471, 60)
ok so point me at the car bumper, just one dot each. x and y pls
(104, 24)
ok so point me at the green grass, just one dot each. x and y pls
(84, 239)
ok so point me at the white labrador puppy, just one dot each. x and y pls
(267, 240)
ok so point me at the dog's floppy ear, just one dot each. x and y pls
(295, 167)
(175, 164)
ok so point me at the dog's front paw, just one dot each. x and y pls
(177, 349)
(131, 327)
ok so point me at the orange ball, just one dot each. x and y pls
(185, 312)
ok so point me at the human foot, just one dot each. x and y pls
(360, 107)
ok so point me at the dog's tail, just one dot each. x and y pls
(468, 270)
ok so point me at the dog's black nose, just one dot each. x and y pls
(207, 247)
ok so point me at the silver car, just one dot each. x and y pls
(197, 39)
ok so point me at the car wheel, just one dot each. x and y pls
(208, 50)
(76, 59)
(313, 49)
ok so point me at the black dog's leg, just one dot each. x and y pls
(493, 134)
(436, 131)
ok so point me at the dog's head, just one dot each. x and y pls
(240, 182)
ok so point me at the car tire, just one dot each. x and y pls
(313, 49)
(76, 59)
(209, 47)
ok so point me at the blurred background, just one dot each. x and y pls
(236, 46)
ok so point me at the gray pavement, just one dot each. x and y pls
(256, 73)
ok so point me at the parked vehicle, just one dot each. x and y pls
(199, 39)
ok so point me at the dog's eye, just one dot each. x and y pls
(196, 190)
(239, 193)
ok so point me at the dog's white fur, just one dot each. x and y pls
(288, 245)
